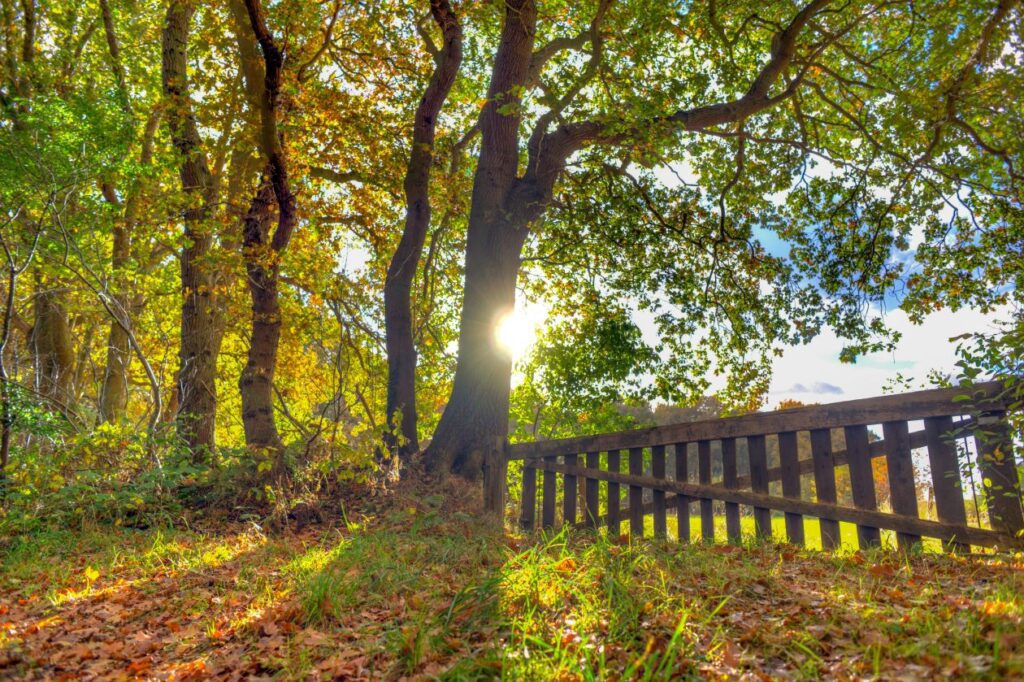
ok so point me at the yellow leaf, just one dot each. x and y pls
(91, 574)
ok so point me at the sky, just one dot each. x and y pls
(812, 373)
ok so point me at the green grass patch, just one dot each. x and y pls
(412, 592)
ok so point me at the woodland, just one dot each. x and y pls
(263, 273)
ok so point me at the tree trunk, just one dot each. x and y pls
(53, 349)
(200, 345)
(476, 417)
(401, 350)
(200, 342)
(263, 253)
(114, 391)
(257, 381)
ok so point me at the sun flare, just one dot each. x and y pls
(516, 331)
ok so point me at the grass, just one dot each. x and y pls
(409, 591)
(812, 532)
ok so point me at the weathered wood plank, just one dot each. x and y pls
(789, 459)
(825, 483)
(636, 494)
(862, 517)
(495, 480)
(732, 510)
(707, 511)
(569, 492)
(547, 507)
(658, 471)
(902, 493)
(862, 483)
(759, 484)
(906, 406)
(682, 502)
(614, 496)
(999, 470)
(528, 505)
(946, 482)
(918, 439)
(592, 486)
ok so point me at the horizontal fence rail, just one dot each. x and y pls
(792, 462)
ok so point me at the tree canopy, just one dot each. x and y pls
(283, 233)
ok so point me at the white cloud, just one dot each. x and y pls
(924, 347)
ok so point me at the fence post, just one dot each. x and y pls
(707, 510)
(902, 492)
(495, 471)
(862, 482)
(946, 482)
(732, 510)
(682, 501)
(636, 495)
(999, 471)
(613, 519)
(759, 484)
(825, 483)
(658, 471)
(789, 461)
(591, 485)
(569, 492)
(547, 496)
(528, 516)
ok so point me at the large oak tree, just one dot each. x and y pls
(889, 103)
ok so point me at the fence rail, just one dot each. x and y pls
(964, 443)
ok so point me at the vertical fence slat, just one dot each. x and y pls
(862, 484)
(547, 508)
(946, 481)
(658, 471)
(528, 512)
(592, 490)
(614, 497)
(569, 492)
(789, 459)
(682, 502)
(759, 484)
(825, 483)
(999, 470)
(707, 511)
(636, 494)
(902, 494)
(732, 510)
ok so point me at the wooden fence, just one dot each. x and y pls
(952, 418)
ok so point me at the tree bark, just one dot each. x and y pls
(263, 252)
(114, 390)
(398, 327)
(200, 342)
(257, 380)
(52, 347)
(476, 416)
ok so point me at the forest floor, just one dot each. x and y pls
(399, 589)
